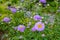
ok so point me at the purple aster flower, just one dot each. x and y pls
(13, 9)
(6, 19)
(43, 1)
(37, 17)
(21, 28)
(39, 26)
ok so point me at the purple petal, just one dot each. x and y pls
(37, 17)
(43, 1)
(21, 28)
(13, 10)
(33, 29)
(6, 19)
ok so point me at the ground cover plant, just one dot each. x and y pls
(29, 20)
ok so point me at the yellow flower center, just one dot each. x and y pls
(21, 26)
(39, 26)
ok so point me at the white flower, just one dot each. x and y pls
(43, 35)
(20, 37)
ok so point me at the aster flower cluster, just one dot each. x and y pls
(27, 17)
(39, 25)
